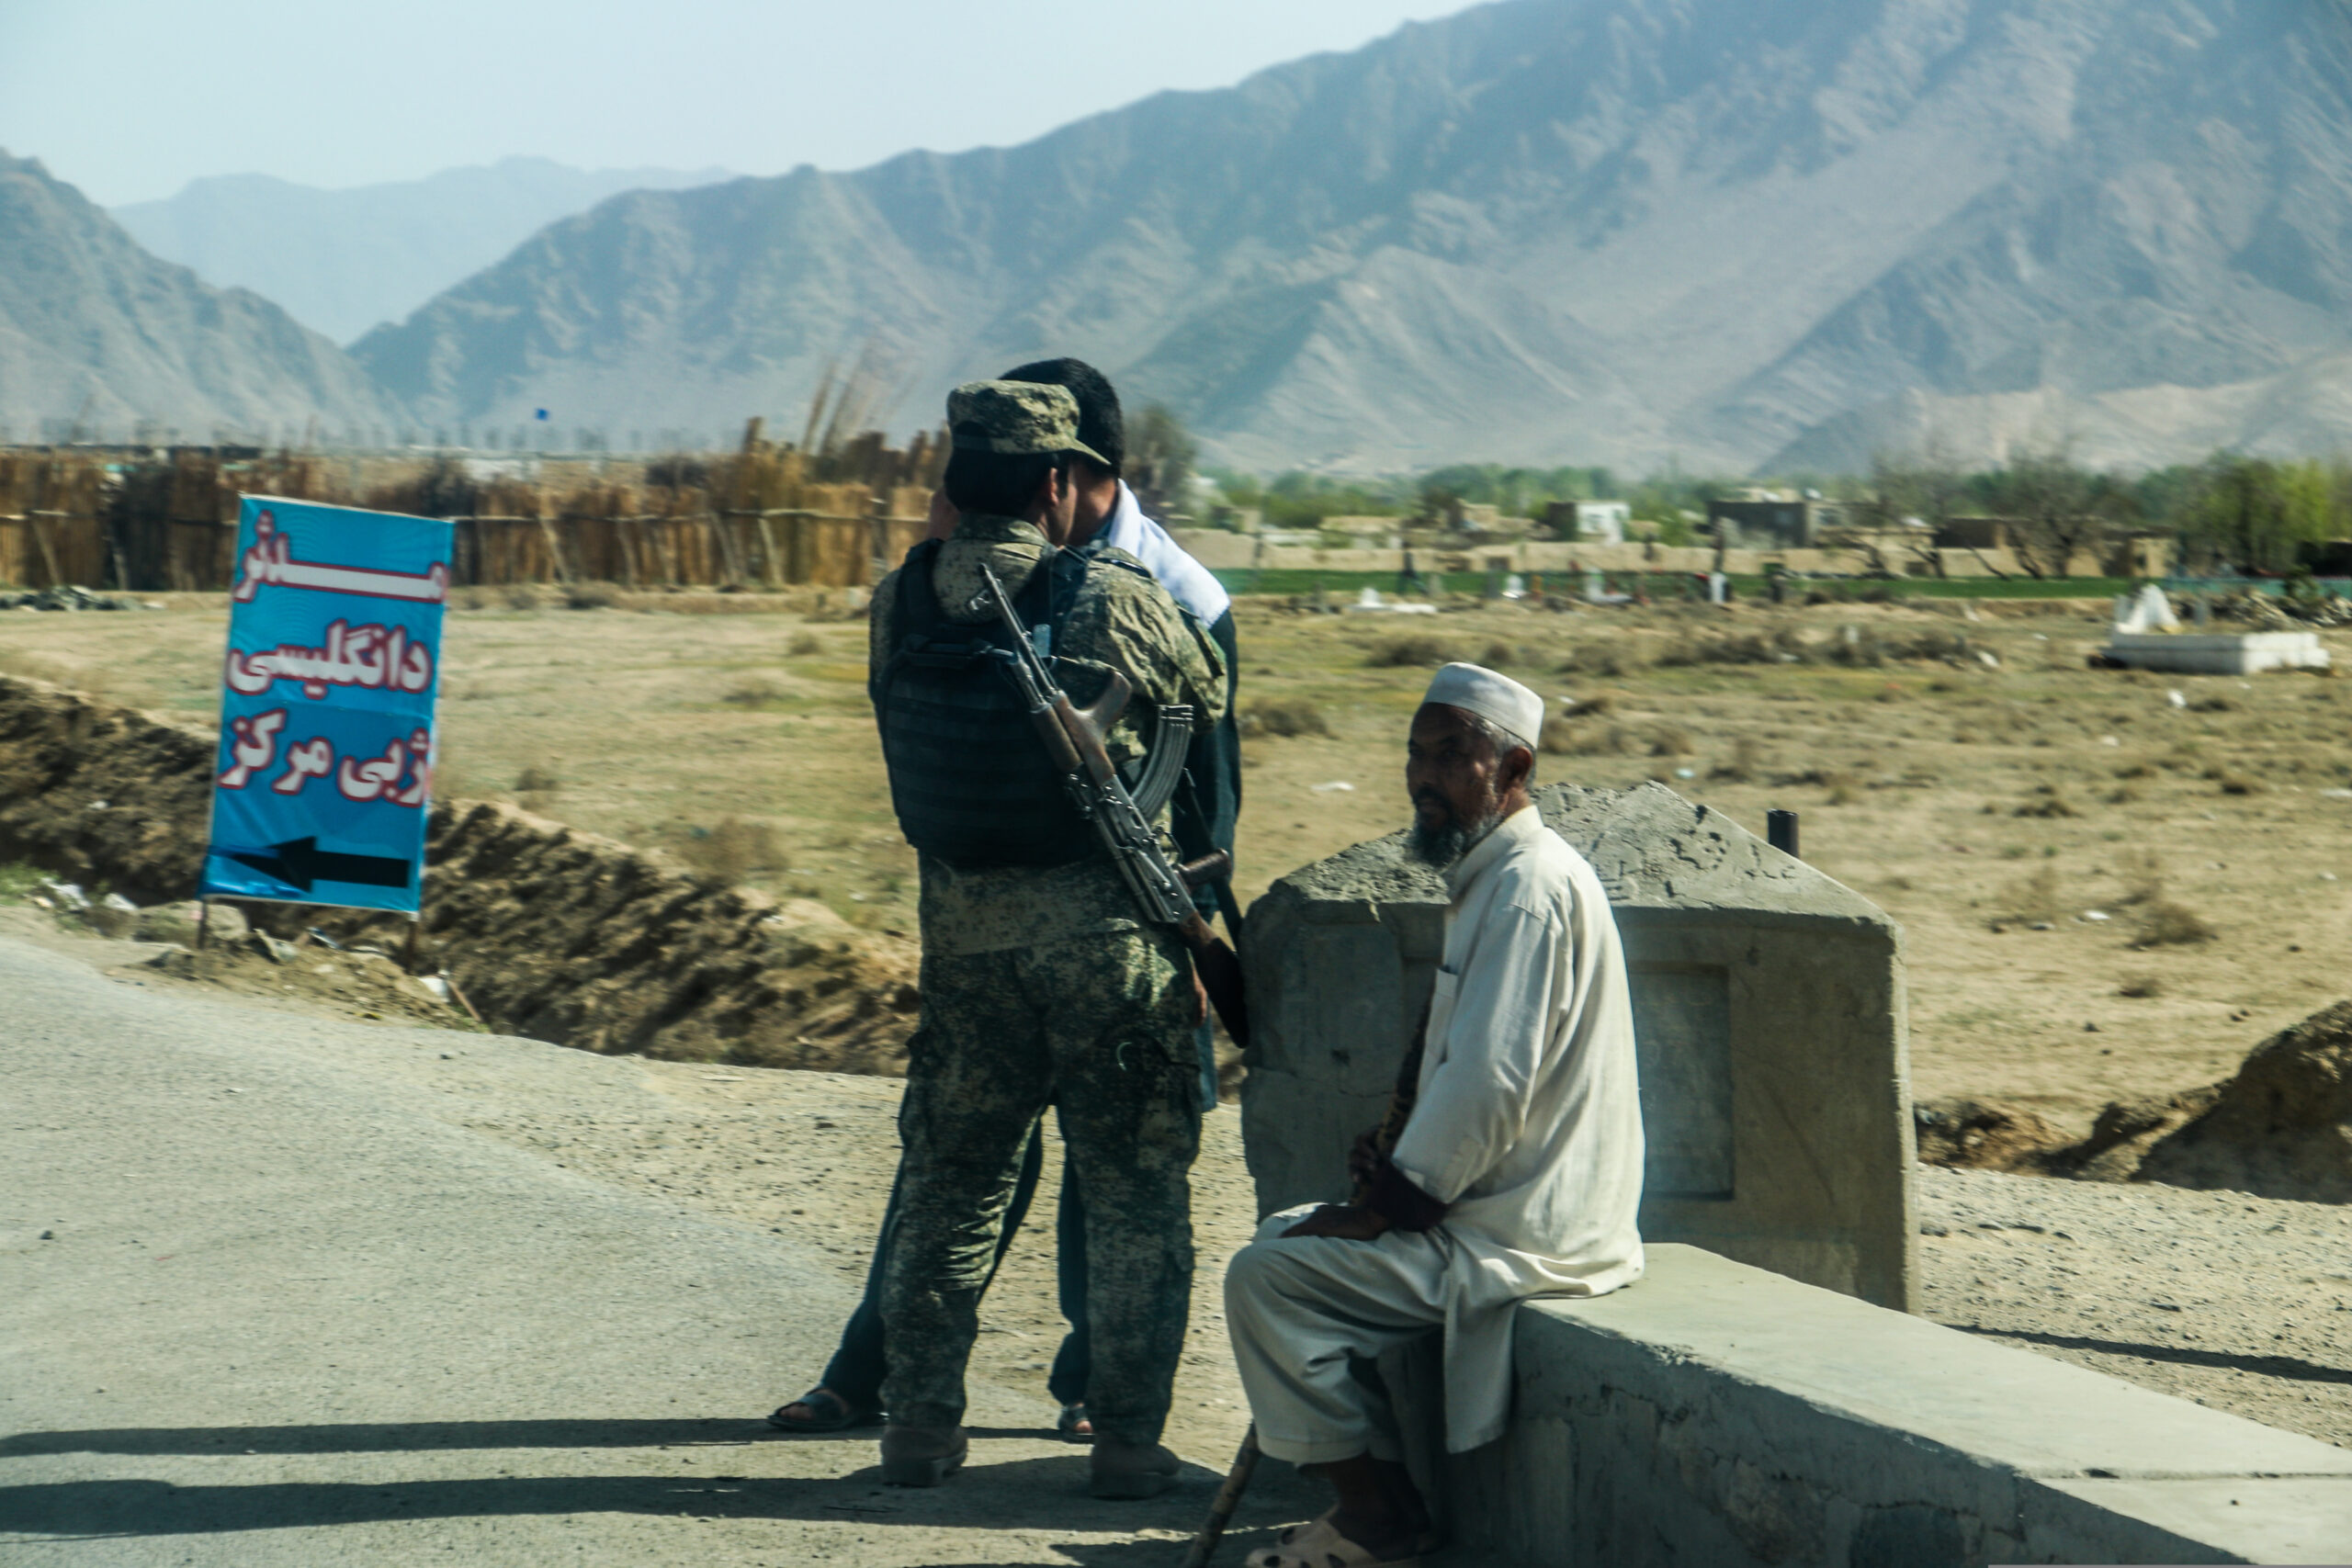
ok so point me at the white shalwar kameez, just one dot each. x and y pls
(1528, 1125)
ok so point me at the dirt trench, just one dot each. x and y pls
(549, 932)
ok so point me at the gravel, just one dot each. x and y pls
(2239, 1303)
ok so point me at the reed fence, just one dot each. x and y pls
(765, 518)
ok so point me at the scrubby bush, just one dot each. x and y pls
(756, 691)
(2046, 801)
(1747, 763)
(2032, 899)
(1419, 649)
(1285, 717)
(734, 849)
(2163, 923)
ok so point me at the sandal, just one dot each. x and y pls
(1072, 1423)
(831, 1412)
(1318, 1544)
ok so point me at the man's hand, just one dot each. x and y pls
(1346, 1221)
(1364, 1158)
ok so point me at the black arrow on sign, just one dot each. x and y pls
(301, 862)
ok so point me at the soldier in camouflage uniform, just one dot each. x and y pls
(1042, 983)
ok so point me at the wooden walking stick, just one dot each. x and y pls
(1228, 1497)
(1384, 1139)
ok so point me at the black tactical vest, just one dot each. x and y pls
(969, 777)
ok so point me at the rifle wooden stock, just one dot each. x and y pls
(1219, 968)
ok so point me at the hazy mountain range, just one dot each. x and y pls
(95, 331)
(1610, 230)
(344, 260)
(1738, 233)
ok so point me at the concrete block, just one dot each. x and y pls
(1720, 1414)
(2218, 653)
(1769, 1010)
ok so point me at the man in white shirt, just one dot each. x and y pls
(1519, 1173)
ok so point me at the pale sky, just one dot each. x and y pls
(129, 99)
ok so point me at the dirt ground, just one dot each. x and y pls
(2234, 1301)
(1975, 801)
(806, 1155)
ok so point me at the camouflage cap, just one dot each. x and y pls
(1016, 418)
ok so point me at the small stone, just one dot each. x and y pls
(48, 1235)
(169, 922)
(269, 947)
(113, 915)
(2089, 1028)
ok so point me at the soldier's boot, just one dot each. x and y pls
(1131, 1470)
(922, 1455)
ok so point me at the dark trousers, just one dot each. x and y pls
(859, 1364)
(856, 1371)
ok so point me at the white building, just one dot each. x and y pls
(1602, 522)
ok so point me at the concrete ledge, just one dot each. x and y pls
(1722, 1415)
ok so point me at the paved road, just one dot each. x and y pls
(266, 1299)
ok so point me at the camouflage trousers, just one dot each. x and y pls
(1101, 1026)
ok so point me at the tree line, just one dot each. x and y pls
(2231, 512)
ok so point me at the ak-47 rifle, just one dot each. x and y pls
(1073, 737)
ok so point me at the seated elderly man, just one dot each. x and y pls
(1517, 1174)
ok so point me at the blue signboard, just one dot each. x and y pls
(325, 768)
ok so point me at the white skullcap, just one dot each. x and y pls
(1498, 699)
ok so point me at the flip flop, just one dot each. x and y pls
(833, 1414)
(1067, 1422)
(1318, 1544)
(1425, 1538)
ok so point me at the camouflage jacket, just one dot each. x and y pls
(1122, 620)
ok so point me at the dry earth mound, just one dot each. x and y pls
(551, 933)
(2282, 1127)
(1984, 1135)
(1990, 1134)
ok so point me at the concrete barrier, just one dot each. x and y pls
(1720, 1415)
(1769, 1017)
(2218, 653)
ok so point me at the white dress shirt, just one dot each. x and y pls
(1188, 582)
